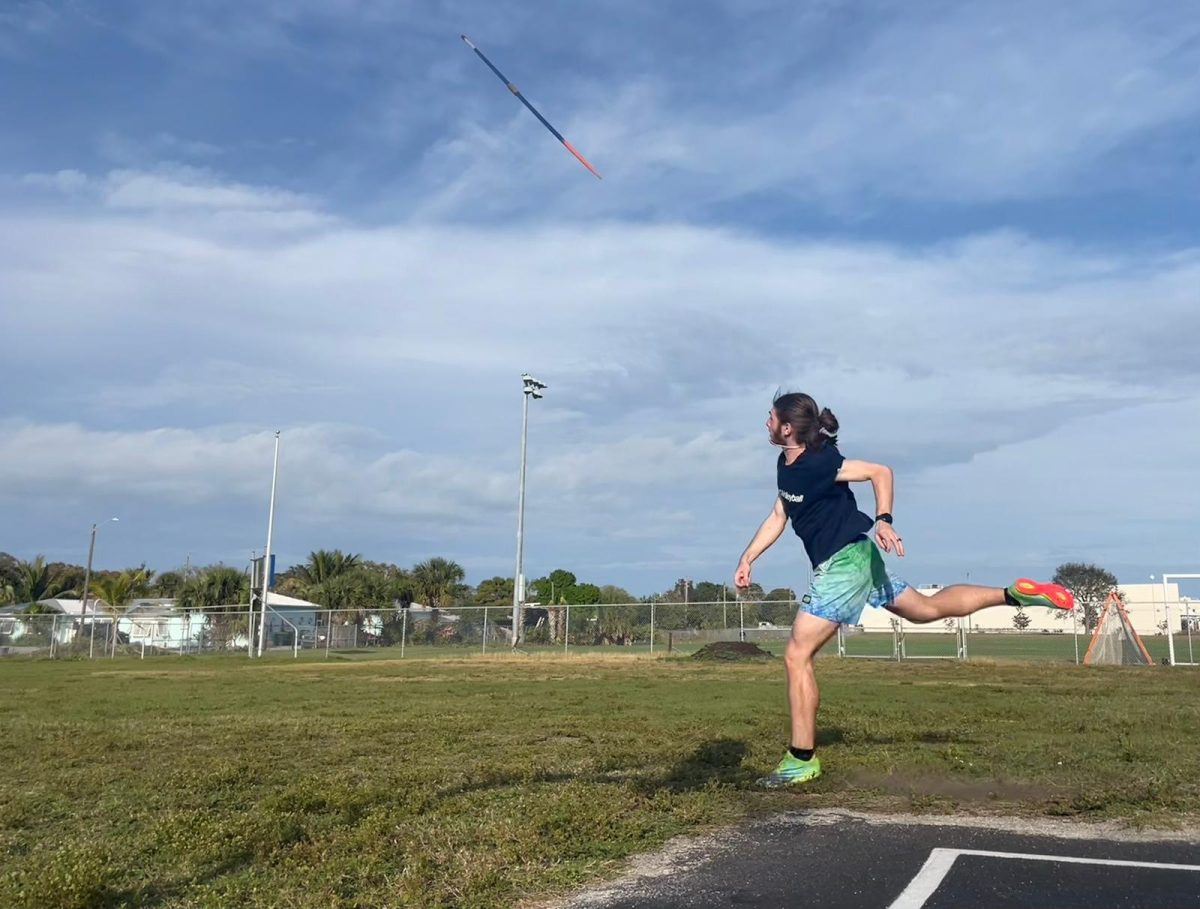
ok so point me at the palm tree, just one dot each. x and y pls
(114, 591)
(324, 564)
(36, 581)
(217, 585)
(438, 582)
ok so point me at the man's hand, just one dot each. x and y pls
(888, 538)
(741, 577)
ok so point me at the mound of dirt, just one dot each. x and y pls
(731, 650)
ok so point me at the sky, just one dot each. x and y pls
(970, 230)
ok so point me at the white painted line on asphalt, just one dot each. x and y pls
(921, 887)
(938, 865)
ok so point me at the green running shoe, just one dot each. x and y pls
(791, 771)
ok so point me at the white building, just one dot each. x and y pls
(56, 617)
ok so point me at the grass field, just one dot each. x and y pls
(217, 781)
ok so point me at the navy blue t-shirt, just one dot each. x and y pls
(823, 511)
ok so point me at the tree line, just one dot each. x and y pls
(352, 586)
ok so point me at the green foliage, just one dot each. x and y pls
(37, 581)
(610, 593)
(115, 590)
(1091, 586)
(213, 586)
(323, 565)
(438, 583)
(494, 592)
(169, 584)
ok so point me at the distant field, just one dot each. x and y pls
(361, 781)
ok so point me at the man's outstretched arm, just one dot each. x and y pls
(768, 532)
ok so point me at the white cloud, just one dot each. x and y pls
(64, 181)
(326, 469)
(182, 187)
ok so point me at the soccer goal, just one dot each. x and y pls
(931, 645)
(1189, 622)
(869, 645)
(1115, 642)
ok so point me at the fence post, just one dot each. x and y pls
(567, 629)
(652, 625)
(485, 612)
(1075, 633)
(403, 632)
(53, 634)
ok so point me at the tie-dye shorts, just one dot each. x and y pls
(853, 577)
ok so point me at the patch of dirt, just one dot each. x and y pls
(957, 789)
(732, 651)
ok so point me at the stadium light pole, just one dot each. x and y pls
(87, 578)
(266, 571)
(533, 389)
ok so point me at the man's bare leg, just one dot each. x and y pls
(949, 602)
(809, 635)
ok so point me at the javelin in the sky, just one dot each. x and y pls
(516, 91)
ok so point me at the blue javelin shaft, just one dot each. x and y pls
(512, 88)
(533, 110)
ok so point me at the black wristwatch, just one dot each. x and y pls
(885, 517)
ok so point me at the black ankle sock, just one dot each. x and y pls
(801, 754)
(1009, 598)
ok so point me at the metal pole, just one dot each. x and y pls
(403, 632)
(53, 634)
(485, 612)
(518, 586)
(328, 631)
(1190, 622)
(724, 611)
(1075, 632)
(1167, 618)
(87, 577)
(652, 625)
(266, 578)
(567, 628)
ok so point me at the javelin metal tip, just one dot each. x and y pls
(468, 40)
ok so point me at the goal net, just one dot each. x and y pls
(1115, 642)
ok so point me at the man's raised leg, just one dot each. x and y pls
(964, 599)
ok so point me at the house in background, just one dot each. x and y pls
(56, 618)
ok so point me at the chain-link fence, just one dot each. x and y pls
(645, 627)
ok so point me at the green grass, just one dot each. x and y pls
(361, 781)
